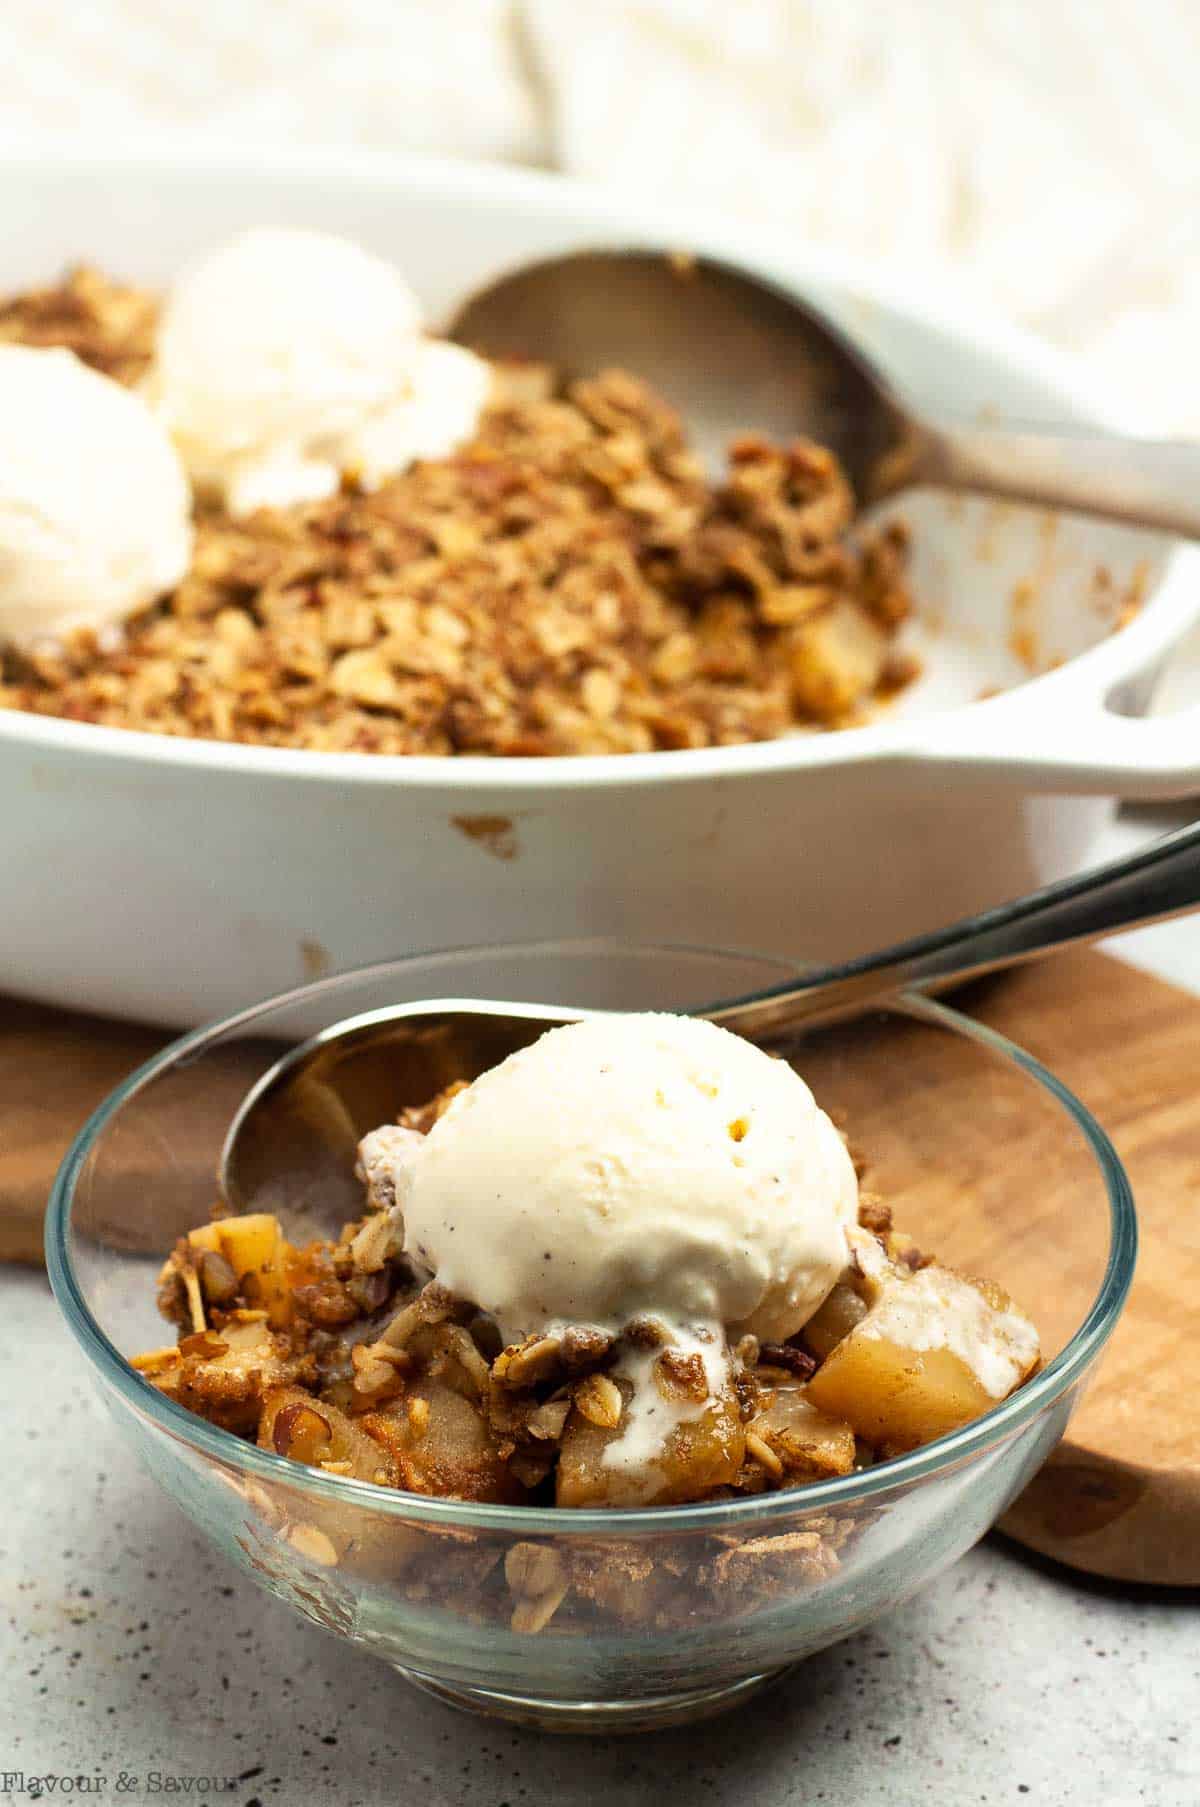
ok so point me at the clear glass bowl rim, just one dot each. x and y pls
(761, 1510)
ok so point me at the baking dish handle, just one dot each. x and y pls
(1064, 743)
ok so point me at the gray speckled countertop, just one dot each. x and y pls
(131, 1649)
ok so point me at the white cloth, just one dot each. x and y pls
(1046, 155)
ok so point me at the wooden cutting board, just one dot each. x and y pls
(1121, 1496)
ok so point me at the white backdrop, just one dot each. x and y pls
(1045, 152)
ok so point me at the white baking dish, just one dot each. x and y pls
(174, 880)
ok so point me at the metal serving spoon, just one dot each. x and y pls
(294, 1136)
(736, 355)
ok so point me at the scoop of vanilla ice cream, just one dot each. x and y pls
(448, 393)
(286, 357)
(634, 1164)
(95, 509)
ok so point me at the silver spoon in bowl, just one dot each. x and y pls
(736, 355)
(294, 1137)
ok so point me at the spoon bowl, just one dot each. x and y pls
(733, 354)
(291, 1147)
(736, 355)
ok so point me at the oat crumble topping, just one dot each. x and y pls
(569, 582)
(106, 324)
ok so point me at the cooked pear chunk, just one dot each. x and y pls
(810, 1445)
(296, 1425)
(935, 1351)
(443, 1444)
(699, 1455)
(842, 1310)
(258, 1253)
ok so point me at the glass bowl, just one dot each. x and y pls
(663, 1613)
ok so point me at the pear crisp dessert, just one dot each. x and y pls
(630, 1266)
(397, 547)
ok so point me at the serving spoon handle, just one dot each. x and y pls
(1145, 482)
(1156, 882)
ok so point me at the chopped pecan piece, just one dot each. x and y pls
(873, 1214)
(787, 1355)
